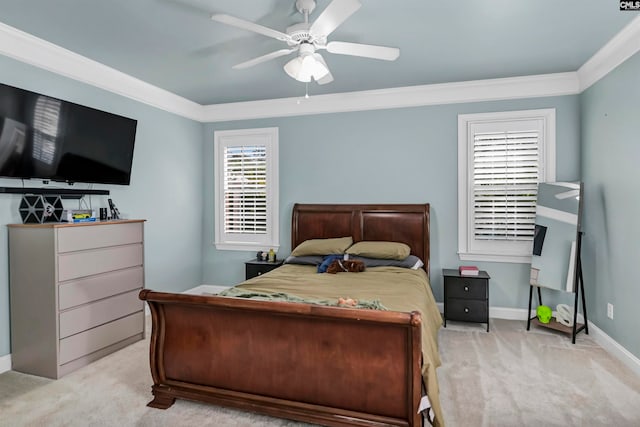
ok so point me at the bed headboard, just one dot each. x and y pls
(397, 223)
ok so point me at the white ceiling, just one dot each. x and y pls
(174, 45)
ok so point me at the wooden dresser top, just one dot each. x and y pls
(76, 224)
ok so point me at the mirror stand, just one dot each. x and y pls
(578, 288)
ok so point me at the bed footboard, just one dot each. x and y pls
(326, 365)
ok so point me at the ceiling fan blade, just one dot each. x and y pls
(364, 50)
(333, 15)
(568, 194)
(572, 185)
(250, 26)
(263, 58)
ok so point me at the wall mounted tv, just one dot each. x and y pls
(50, 139)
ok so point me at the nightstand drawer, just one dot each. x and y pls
(466, 287)
(466, 310)
(258, 268)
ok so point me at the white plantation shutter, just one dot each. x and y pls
(502, 158)
(505, 185)
(246, 189)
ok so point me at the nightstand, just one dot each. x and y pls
(255, 268)
(466, 298)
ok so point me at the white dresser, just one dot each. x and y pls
(74, 293)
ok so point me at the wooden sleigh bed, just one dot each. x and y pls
(327, 365)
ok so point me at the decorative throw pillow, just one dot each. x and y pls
(322, 246)
(381, 250)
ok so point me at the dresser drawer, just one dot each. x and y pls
(463, 287)
(98, 236)
(466, 310)
(94, 339)
(87, 289)
(100, 312)
(87, 263)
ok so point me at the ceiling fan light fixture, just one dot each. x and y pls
(306, 66)
(294, 69)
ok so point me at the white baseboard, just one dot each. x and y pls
(509, 313)
(5, 363)
(612, 346)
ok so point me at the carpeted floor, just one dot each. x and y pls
(513, 377)
(508, 377)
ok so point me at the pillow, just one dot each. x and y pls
(322, 246)
(381, 250)
(304, 260)
(412, 262)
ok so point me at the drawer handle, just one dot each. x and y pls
(466, 289)
(259, 273)
(466, 309)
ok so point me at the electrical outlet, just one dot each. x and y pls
(610, 310)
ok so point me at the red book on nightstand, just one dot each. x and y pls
(468, 270)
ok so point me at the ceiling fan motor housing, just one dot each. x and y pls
(299, 33)
(305, 6)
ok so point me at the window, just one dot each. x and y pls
(501, 159)
(246, 189)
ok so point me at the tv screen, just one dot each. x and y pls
(51, 139)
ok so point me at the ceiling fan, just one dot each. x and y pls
(306, 38)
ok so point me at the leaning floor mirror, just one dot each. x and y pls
(558, 217)
(555, 263)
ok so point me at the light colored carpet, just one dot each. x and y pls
(508, 377)
(513, 377)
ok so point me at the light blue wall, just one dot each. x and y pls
(166, 184)
(389, 156)
(611, 172)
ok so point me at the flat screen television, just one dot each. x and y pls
(50, 139)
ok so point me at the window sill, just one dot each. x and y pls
(245, 247)
(516, 259)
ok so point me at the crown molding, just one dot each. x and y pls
(32, 50)
(617, 50)
(411, 96)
